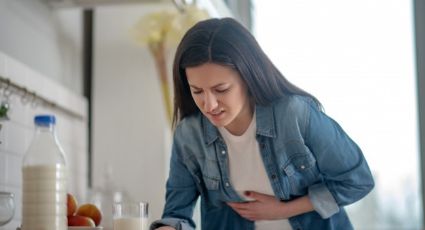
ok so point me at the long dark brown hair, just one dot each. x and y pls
(226, 42)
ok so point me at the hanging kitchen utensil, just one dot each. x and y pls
(4, 108)
(5, 105)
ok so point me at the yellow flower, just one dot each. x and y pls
(153, 27)
(184, 21)
(159, 28)
(166, 26)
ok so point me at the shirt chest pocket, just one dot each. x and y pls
(205, 173)
(301, 171)
(210, 174)
(211, 182)
(212, 192)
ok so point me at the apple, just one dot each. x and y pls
(80, 221)
(91, 211)
(71, 204)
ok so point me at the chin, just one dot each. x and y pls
(222, 122)
(218, 123)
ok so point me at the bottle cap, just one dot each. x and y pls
(44, 120)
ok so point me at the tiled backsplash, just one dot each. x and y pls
(16, 133)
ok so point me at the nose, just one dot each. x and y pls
(210, 102)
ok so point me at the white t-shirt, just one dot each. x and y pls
(247, 171)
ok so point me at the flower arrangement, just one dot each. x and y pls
(160, 31)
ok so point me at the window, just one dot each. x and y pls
(357, 58)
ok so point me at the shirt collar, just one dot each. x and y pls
(265, 121)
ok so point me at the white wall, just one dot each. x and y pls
(46, 40)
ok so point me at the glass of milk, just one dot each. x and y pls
(130, 216)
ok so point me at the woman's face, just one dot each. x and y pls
(221, 95)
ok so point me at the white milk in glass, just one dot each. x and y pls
(130, 216)
(131, 223)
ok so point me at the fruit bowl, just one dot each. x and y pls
(85, 228)
(80, 228)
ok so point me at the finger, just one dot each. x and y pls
(250, 217)
(248, 214)
(245, 214)
(257, 196)
(240, 210)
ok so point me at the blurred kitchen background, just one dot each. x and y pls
(81, 60)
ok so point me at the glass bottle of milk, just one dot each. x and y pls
(44, 179)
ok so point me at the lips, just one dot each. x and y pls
(216, 115)
(216, 112)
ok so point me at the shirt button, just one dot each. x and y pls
(302, 167)
(227, 184)
(273, 176)
(223, 152)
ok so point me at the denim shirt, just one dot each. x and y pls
(304, 152)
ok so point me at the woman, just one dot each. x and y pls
(257, 149)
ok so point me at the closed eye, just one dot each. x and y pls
(222, 90)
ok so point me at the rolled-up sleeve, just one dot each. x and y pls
(346, 177)
(322, 200)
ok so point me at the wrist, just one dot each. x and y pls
(284, 210)
(296, 207)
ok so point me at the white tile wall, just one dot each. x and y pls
(2, 65)
(2, 169)
(16, 133)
